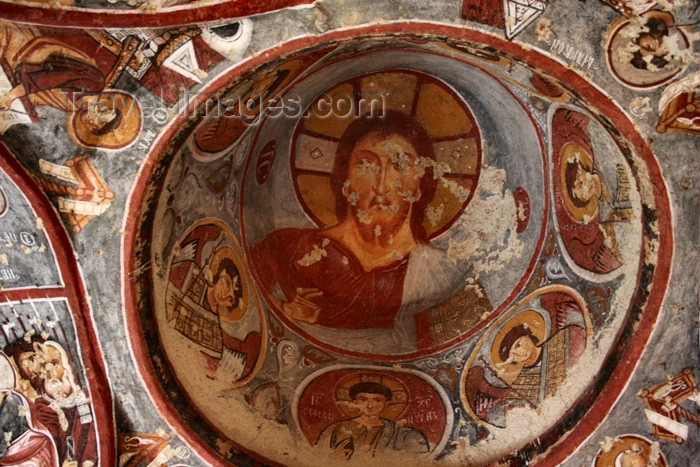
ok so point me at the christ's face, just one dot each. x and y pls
(371, 404)
(383, 181)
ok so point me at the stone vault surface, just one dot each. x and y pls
(304, 233)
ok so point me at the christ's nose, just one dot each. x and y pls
(381, 184)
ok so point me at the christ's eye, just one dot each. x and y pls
(365, 166)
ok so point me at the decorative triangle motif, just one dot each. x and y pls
(520, 13)
(184, 61)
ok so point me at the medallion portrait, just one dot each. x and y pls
(593, 202)
(526, 356)
(372, 414)
(649, 51)
(210, 306)
(387, 170)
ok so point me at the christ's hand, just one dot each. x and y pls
(302, 307)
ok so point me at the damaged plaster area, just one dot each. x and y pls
(315, 255)
(488, 239)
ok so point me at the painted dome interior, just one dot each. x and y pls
(313, 232)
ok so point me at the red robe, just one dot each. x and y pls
(584, 240)
(83, 444)
(352, 297)
(22, 444)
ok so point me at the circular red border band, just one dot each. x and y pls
(471, 332)
(585, 90)
(136, 18)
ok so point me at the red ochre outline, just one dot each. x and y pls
(136, 18)
(496, 311)
(607, 397)
(76, 295)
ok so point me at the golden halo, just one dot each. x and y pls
(532, 319)
(124, 134)
(394, 408)
(506, 320)
(570, 152)
(622, 444)
(238, 312)
(454, 132)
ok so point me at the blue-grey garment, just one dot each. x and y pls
(11, 421)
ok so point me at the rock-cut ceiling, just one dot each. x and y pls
(336, 232)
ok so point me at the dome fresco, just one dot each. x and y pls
(454, 237)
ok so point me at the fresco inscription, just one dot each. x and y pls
(22, 237)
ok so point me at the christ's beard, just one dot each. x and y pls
(381, 221)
